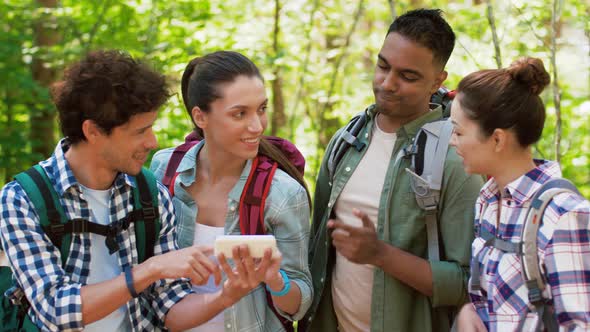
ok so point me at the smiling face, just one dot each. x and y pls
(476, 150)
(127, 147)
(234, 123)
(405, 77)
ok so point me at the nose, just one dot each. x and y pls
(389, 82)
(256, 124)
(152, 141)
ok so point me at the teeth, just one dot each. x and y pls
(250, 140)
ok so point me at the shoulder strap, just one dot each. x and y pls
(147, 223)
(530, 261)
(40, 191)
(531, 272)
(428, 152)
(189, 141)
(253, 199)
(346, 139)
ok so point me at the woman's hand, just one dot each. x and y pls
(247, 273)
(468, 320)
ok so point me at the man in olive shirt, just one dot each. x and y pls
(369, 245)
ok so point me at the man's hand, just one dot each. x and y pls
(192, 262)
(358, 244)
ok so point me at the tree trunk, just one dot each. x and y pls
(42, 116)
(555, 24)
(392, 9)
(279, 119)
(492, 21)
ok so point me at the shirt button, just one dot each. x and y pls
(330, 204)
(232, 208)
(228, 326)
(347, 169)
(322, 280)
(330, 184)
(366, 135)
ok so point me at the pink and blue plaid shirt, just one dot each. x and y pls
(563, 249)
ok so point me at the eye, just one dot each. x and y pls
(409, 78)
(382, 66)
(239, 115)
(262, 110)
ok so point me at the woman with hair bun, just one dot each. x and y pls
(497, 116)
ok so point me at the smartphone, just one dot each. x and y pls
(257, 244)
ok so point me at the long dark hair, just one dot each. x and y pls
(200, 87)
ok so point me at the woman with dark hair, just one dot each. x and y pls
(225, 96)
(497, 116)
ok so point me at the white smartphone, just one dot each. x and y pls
(257, 244)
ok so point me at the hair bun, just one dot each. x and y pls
(530, 72)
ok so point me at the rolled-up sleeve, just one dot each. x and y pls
(451, 274)
(289, 220)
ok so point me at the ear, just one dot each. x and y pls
(199, 117)
(500, 138)
(91, 131)
(438, 81)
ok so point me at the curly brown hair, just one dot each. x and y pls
(107, 87)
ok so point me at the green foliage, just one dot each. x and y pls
(326, 78)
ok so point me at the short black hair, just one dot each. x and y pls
(107, 87)
(428, 28)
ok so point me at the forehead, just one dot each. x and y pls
(403, 53)
(243, 90)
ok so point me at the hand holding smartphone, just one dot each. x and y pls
(257, 244)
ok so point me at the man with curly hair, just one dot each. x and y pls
(107, 106)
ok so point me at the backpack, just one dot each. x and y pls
(36, 184)
(253, 198)
(527, 250)
(427, 151)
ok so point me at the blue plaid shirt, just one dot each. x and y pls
(54, 292)
(563, 248)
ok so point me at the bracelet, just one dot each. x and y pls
(129, 281)
(286, 286)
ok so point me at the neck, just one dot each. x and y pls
(390, 123)
(512, 167)
(89, 170)
(217, 166)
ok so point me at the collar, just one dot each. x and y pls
(524, 187)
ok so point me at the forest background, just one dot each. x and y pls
(317, 58)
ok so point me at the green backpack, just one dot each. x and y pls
(58, 228)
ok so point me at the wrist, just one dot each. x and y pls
(286, 286)
(379, 258)
(276, 284)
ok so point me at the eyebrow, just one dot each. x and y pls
(242, 107)
(405, 70)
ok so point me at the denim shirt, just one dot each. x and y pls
(286, 216)
(396, 306)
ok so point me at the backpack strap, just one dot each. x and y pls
(346, 139)
(170, 174)
(531, 272)
(52, 218)
(428, 151)
(145, 214)
(253, 199)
